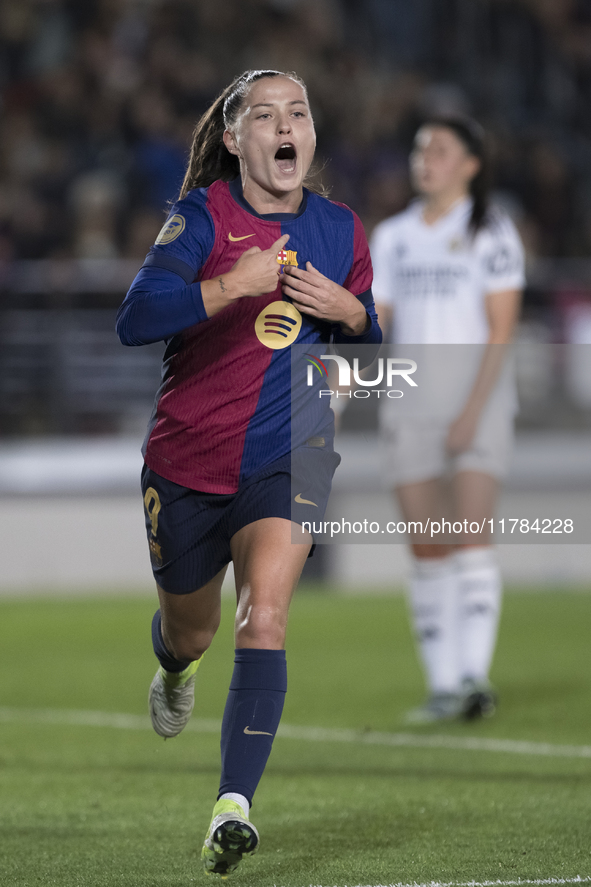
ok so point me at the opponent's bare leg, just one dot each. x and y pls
(474, 495)
(423, 502)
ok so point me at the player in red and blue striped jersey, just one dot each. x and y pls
(249, 263)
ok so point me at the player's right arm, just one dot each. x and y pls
(166, 296)
(157, 308)
(503, 261)
(256, 272)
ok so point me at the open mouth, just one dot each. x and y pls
(285, 157)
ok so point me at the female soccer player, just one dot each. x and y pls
(229, 294)
(449, 270)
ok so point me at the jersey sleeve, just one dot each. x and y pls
(358, 282)
(360, 275)
(157, 307)
(165, 299)
(186, 239)
(503, 257)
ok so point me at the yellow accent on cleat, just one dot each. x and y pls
(180, 678)
(231, 836)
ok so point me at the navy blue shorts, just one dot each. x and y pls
(189, 532)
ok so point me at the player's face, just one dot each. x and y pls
(440, 162)
(274, 136)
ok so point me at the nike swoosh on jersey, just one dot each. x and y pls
(301, 501)
(250, 732)
(236, 239)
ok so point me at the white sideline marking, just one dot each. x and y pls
(79, 718)
(539, 883)
(416, 740)
(121, 721)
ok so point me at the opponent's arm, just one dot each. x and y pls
(502, 309)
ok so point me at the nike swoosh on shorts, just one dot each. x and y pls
(301, 501)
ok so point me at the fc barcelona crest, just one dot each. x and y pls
(287, 257)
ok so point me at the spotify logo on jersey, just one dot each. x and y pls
(278, 325)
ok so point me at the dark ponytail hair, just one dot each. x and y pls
(210, 159)
(472, 136)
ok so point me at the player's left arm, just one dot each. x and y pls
(504, 281)
(314, 294)
(502, 309)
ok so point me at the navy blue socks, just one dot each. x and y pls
(252, 715)
(165, 658)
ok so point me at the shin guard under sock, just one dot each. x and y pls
(252, 715)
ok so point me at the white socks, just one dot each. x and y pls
(433, 599)
(479, 607)
(455, 603)
(239, 799)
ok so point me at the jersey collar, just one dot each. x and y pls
(236, 191)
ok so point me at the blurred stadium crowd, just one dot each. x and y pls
(98, 101)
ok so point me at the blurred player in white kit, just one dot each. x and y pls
(449, 270)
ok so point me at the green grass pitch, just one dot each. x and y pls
(97, 806)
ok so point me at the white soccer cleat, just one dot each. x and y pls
(171, 699)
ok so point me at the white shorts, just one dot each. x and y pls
(414, 446)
